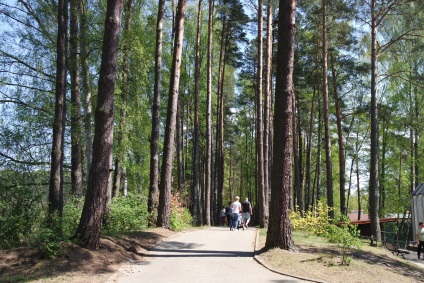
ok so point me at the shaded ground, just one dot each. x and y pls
(314, 259)
(78, 265)
(321, 261)
(213, 254)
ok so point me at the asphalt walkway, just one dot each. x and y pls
(214, 254)
(413, 258)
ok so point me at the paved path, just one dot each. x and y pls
(214, 254)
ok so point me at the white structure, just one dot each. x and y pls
(417, 207)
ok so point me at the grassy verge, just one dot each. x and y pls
(317, 259)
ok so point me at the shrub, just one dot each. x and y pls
(71, 216)
(180, 219)
(126, 214)
(19, 209)
(311, 222)
(347, 238)
(318, 223)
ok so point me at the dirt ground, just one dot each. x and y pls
(321, 262)
(78, 265)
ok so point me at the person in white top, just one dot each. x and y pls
(236, 206)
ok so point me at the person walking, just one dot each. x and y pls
(246, 212)
(228, 212)
(236, 209)
(223, 215)
(420, 238)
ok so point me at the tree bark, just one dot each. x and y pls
(89, 228)
(309, 201)
(120, 159)
(280, 230)
(328, 162)
(297, 163)
(263, 207)
(56, 171)
(168, 153)
(197, 207)
(76, 127)
(267, 102)
(208, 167)
(179, 134)
(340, 141)
(154, 142)
(373, 188)
(86, 89)
(219, 158)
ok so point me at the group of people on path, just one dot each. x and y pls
(235, 212)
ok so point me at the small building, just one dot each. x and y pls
(356, 215)
(417, 207)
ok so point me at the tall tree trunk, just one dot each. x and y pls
(197, 207)
(328, 162)
(219, 123)
(86, 88)
(263, 207)
(309, 201)
(382, 164)
(296, 161)
(267, 102)
(416, 141)
(373, 186)
(414, 116)
(154, 142)
(76, 127)
(89, 228)
(358, 183)
(208, 167)
(318, 164)
(119, 161)
(280, 229)
(342, 159)
(179, 134)
(165, 186)
(56, 171)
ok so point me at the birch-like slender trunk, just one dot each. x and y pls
(56, 171)
(327, 134)
(76, 121)
(165, 186)
(153, 200)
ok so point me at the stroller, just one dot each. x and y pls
(239, 221)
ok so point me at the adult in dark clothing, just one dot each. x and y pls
(246, 212)
(420, 238)
(228, 211)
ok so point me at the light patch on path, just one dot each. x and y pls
(214, 254)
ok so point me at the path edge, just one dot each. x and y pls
(259, 260)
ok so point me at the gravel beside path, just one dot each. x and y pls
(214, 254)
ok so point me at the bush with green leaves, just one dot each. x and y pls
(180, 219)
(19, 209)
(47, 236)
(311, 222)
(347, 238)
(71, 216)
(318, 223)
(126, 214)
